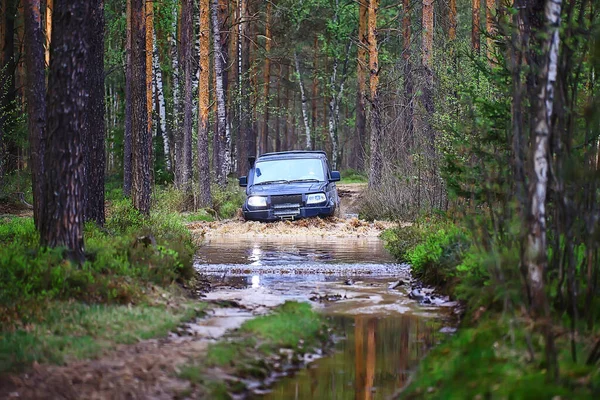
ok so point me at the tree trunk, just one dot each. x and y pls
(408, 117)
(185, 61)
(48, 29)
(304, 101)
(225, 142)
(95, 156)
(141, 138)
(148, 53)
(490, 27)
(161, 106)
(267, 81)
(7, 87)
(315, 88)
(222, 126)
(128, 101)
(177, 111)
(475, 28)
(360, 142)
(36, 102)
(451, 19)
(205, 196)
(536, 253)
(247, 145)
(376, 167)
(62, 223)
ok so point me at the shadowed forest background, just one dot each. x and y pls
(476, 120)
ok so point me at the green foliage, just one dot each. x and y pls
(131, 253)
(14, 183)
(226, 202)
(492, 361)
(353, 176)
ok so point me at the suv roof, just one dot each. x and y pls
(293, 154)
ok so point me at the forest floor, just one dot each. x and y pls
(153, 368)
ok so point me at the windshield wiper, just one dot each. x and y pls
(269, 182)
(305, 180)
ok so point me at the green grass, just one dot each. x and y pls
(491, 361)
(352, 176)
(247, 353)
(77, 331)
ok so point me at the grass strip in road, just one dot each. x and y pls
(261, 346)
(74, 331)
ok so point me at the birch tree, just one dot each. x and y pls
(536, 247)
(304, 101)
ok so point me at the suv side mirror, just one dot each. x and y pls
(335, 176)
(243, 181)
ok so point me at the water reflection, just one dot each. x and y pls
(371, 364)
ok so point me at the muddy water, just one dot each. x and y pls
(382, 333)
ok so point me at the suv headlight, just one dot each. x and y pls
(257, 201)
(316, 198)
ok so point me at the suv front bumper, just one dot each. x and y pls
(274, 214)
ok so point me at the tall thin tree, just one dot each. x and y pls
(141, 138)
(185, 62)
(36, 101)
(95, 156)
(376, 164)
(205, 197)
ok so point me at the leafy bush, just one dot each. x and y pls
(354, 176)
(121, 260)
(399, 241)
(227, 201)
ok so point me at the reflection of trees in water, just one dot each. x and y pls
(364, 364)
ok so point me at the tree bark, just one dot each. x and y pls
(148, 54)
(360, 142)
(48, 29)
(451, 19)
(141, 135)
(376, 166)
(161, 106)
(304, 101)
(222, 126)
(62, 224)
(267, 81)
(36, 102)
(7, 87)
(248, 140)
(536, 253)
(409, 114)
(95, 156)
(205, 196)
(128, 101)
(185, 62)
(475, 28)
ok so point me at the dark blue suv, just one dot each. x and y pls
(290, 185)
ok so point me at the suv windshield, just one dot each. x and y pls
(283, 171)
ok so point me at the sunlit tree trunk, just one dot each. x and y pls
(222, 126)
(304, 101)
(451, 19)
(205, 197)
(48, 29)
(536, 251)
(376, 164)
(36, 101)
(95, 155)
(490, 28)
(360, 142)
(267, 81)
(315, 87)
(475, 27)
(62, 223)
(141, 138)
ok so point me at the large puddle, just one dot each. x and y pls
(356, 284)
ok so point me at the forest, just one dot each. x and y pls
(475, 122)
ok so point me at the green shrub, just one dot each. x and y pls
(353, 176)
(227, 201)
(399, 241)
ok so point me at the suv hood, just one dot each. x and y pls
(286, 188)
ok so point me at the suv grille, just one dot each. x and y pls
(287, 199)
